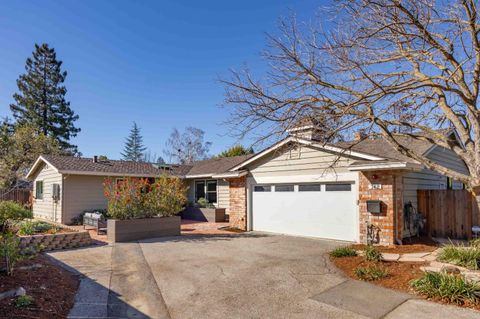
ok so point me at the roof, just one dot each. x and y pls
(381, 147)
(86, 166)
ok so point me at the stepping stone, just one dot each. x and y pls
(431, 269)
(362, 298)
(430, 257)
(411, 259)
(390, 257)
(415, 255)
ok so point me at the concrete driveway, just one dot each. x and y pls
(235, 276)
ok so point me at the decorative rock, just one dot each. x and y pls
(450, 269)
(20, 292)
(390, 257)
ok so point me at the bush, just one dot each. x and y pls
(137, 198)
(468, 257)
(371, 273)
(372, 253)
(35, 227)
(11, 212)
(452, 288)
(343, 252)
(10, 251)
(23, 301)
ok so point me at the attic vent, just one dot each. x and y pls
(295, 152)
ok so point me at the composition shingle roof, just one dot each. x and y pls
(87, 165)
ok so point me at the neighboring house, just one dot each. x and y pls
(298, 186)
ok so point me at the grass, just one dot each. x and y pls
(343, 252)
(372, 254)
(451, 288)
(23, 301)
(468, 257)
(371, 273)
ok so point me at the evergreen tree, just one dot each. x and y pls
(134, 148)
(236, 150)
(41, 98)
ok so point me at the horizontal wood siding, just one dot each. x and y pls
(449, 213)
(82, 193)
(47, 208)
(301, 160)
(223, 194)
(449, 159)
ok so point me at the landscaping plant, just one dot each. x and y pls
(465, 256)
(370, 273)
(372, 253)
(10, 251)
(11, 212)
(343, 252)
(451, 288)
(23, 301)
(137, 198)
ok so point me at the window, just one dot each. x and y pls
(39, 190)
(199, 190)
(284, 188)
(211, 191)
(262, 188)
(309, 188)
(338, 187)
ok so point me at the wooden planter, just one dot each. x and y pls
(211, 215)
(142, 228)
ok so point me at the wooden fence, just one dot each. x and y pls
(449, 213)
(22, 196)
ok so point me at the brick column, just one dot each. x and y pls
(238, 202)
(390, 220)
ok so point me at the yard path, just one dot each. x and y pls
(231, 276)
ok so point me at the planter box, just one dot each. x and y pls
(212, 215)
(142, 228)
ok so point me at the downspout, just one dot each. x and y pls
(397, 240)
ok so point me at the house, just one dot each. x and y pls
(298, 186)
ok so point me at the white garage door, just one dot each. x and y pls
(318, 210)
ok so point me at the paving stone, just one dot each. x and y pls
(415, 255)
(373, 301)
(390, 257)
(411, 259)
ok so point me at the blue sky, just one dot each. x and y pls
(153, 62)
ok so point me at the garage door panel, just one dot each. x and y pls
(317, 214)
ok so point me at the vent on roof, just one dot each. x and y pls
(95, 159)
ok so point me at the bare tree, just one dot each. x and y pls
(187, 147)
(391, 67)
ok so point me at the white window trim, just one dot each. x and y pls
(205, 181)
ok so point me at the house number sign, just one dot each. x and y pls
(375, 186)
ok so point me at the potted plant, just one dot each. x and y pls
(141, 210)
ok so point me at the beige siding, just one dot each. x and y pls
(47, 208)
(301, 160)
(427, 179)
(82, 193)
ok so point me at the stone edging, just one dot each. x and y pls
(47, 242)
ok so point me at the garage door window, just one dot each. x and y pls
(284, 188)
(309, 188)
(262, 188)
(338, 187)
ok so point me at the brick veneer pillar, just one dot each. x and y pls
(390, 220)
(238, 202)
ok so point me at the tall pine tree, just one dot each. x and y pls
(134, 148)
(41, 98)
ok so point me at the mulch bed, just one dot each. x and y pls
(52, 288)
(414, 245)
(400, 273)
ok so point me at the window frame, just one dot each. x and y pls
(262, 191)
(39, 196)
(309, 190)
(338, 190)
(205, 183)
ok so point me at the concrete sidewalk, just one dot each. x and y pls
(231, 276)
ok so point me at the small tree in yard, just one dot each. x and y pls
(391, 68)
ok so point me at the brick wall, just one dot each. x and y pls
(391, 195)
(238, 202)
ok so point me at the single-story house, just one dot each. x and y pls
(298, 186)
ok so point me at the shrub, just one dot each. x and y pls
(11, 212)
(23, 301)
(10, 251)
(468, 257)
(137, 198)
(371, 273)
(343, 252)
(26, 228)
(35, 227)
(372, 253)
(202, 202)
(452, 288)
